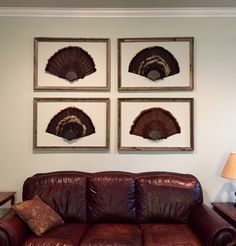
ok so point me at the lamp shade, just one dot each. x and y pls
(229, 170)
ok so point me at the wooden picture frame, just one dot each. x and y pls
(45, 109)
(167, 51)
(181, 111)
(91, 57)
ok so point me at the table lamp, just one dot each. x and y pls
(229, 170)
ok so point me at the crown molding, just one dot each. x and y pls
(118, 12)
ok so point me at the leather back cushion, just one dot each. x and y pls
(65, 192)
(166, 197)
(117, 197)
(111, 198)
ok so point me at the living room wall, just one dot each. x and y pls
(214, 98)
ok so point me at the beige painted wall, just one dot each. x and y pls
(118, 4)
(214, 94)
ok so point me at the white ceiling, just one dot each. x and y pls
(119, 3)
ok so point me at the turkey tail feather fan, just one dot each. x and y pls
(71, 63)
(71, 123)
(155, 124)
(154, 63)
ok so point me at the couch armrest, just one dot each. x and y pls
(210, 228)
(12, 230)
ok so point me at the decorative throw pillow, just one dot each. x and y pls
(39, 216)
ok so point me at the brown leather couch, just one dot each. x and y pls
(120, 209)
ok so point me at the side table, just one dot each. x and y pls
(4, 198)
(226, 210)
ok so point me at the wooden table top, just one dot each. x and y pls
(227, 208)
(6, 196)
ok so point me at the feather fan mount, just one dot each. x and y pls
(71, 123)
(154, 63)
(155, 124)
(71, 63)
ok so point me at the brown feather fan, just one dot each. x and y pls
(154, 63)
(155, 124)
(71, 123)
(71, 63)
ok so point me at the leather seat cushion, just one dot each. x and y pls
(64, 235)
(112, 234)
(168, 234)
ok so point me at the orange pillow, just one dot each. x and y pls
(39, 216)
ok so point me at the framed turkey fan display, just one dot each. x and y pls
(155, 64)
(71, 123)
(155, 124)
(81, 64)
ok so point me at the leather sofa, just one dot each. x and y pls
(120, 209)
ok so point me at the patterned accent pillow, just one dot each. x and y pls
(39, 216)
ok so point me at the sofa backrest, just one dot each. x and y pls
(65, 192)
(166, 197)
(111, 198)
(117, 197)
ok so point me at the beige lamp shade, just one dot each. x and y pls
(229, 170)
